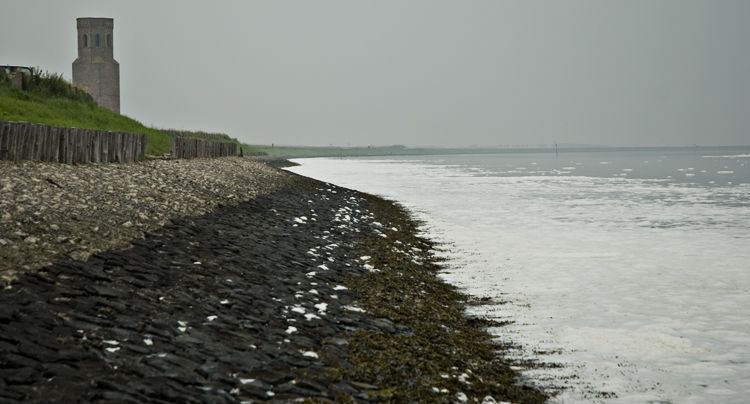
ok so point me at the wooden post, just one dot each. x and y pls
(4, 138)
(70, 145)
(54, 145)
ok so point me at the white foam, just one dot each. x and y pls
(354, 309)
(310, 316)
(730, 156)
(309, 354)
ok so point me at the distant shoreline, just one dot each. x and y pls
(289, 152)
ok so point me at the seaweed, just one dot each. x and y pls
(445, 355)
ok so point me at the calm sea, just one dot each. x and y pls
(629, 269)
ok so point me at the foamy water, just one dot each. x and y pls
(633, 275)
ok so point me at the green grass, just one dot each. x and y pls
(48, 99)
(213, 137)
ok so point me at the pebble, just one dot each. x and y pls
(82, 217)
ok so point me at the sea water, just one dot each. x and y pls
(630, 271)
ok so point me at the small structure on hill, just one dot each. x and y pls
(15, 74)
(95, 70)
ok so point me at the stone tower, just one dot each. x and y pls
(95, 70)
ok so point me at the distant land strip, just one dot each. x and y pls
(399, 150)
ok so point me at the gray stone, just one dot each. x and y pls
(95, 70)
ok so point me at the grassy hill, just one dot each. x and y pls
(49, 99)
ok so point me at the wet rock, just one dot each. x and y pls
(186, 339)
(75, 356)
(105, 291)
(36, 351)
(7, 314)
(291, 389)
(15, 396)
(53, 369)
(384, 325)
(116, 397)
(24, 375)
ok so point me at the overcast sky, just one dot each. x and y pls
(416, 72)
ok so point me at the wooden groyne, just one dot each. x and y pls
(28, 141)
(185, 148)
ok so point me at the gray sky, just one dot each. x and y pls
(416, 72)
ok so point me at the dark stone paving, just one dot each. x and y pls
(233, 306)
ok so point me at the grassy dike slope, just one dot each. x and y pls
(50, 100)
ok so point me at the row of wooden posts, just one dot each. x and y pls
(189, 148)
(28, 141)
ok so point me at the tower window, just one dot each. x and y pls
(85, 41)
(109, 40)
(98, 40)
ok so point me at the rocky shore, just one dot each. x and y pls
(48, 210)
(297, 291)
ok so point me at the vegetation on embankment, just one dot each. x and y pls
(199, 134)
(49, 99)
(448, 357)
